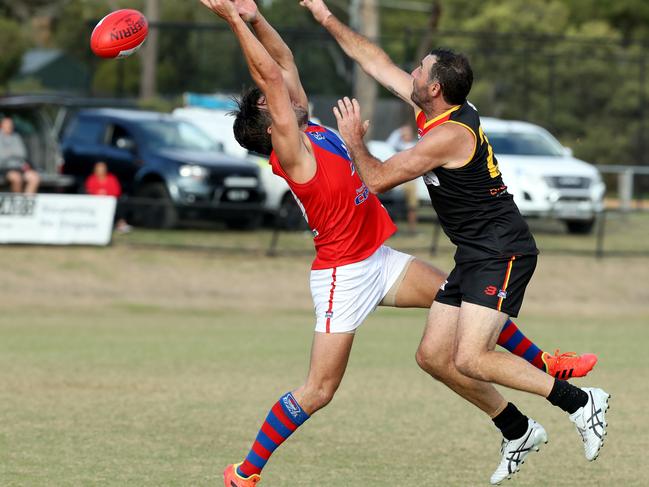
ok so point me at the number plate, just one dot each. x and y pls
(238, 195)
(240, 182)
(574, 210)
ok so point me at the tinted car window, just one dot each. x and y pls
(171, 134)
(118, 132)
(523, 144)
(86, 130)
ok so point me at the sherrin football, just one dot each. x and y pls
(119, 34)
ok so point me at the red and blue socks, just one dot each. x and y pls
(282, 420)
(512, 339)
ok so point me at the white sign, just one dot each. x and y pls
(56, 219)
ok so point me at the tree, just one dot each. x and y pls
(13, 47)
(365, 19)
(148, 86)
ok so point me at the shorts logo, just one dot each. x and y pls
(491, 290)
(502, 294)
(291, 405)
(329, 315)
(443, 286)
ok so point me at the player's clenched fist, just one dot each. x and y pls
(350, 124)
(225, 9)
(317, 8)
(247, 10)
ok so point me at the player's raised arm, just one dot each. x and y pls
(287, 138)
(450, 145)
(276, 47)
(372, 59)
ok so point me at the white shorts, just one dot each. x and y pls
(344, 296)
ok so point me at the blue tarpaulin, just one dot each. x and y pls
(215, 102)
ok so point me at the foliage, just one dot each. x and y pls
(578, 67)
(13, 46)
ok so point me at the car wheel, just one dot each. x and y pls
(580, 227)
(154, 208)
(290, 215)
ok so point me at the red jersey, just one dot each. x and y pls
(347, 221)
(108, 186)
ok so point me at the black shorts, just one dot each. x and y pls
(496, 283)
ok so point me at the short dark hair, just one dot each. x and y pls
(453, 72)
(251, 123)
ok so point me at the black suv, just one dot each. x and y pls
(168, 168)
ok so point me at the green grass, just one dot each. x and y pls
(150, 397)
(125, 366)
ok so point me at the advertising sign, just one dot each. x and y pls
(54, 219)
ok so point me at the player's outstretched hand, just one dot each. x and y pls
(225, 9)
(247, 9)
(350, 125)
(317, 8)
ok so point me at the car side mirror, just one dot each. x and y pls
(567, 152)
(125, 143)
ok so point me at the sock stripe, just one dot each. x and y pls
(508, 330)
(531, 353)
(522, 347)
(255, 460)
(537, 361)
(513, 342)
(259, 449)
(280, 414)
(273, 435)
(266, 442)
(277, 425)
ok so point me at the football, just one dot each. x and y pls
(119, 34)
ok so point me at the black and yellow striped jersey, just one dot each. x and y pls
(472, 203)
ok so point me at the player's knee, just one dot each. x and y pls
(432, 362)
(319, 395)
(467, 363)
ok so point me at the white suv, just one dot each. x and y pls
(542, 175)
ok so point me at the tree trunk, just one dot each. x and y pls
(148, 85)
(364, 15)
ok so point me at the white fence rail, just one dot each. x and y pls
(625, 183)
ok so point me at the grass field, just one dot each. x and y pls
(152, 367)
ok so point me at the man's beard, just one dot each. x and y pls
(416, 99)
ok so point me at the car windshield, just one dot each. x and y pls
(177, 134)
(524, 144)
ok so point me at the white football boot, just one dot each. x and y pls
(513, 452)
(591, 422)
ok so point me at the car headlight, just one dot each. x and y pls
(193, 171)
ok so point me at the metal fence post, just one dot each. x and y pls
(601, 233)
(625, 188)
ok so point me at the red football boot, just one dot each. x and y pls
(232, 479)
(568, 364)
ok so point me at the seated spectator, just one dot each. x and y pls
(13, 160)
(101, 182)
